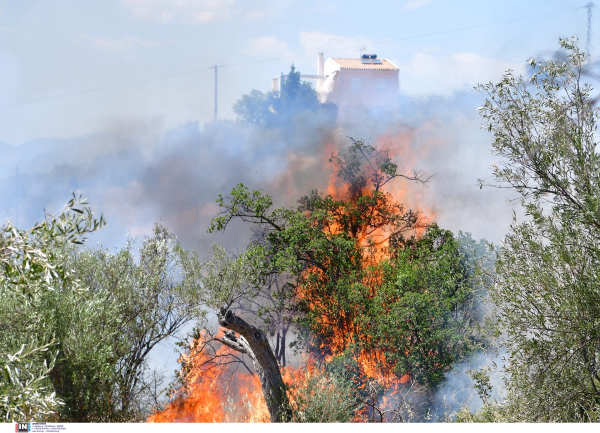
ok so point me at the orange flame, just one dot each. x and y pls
(212, 393)
(375, 241)
(209, 398)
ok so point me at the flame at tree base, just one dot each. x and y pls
(224, 393)
(214, 392)
(205, 403)
(375, 219)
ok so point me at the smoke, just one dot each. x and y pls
(135, 177)
(135, 174)
(458, 390)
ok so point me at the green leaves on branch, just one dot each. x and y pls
(31, 270)
(137, 303)
(546, 293)
(24, 390)
(27, 257)
(545, 134)
(224, 280)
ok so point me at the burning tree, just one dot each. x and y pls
(369, 283)
(224, 282)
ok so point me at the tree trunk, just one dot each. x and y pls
(253, 342)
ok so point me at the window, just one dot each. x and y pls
(380, 84)
(356, 84)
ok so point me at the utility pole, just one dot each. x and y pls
(215, 91)
(589, 7)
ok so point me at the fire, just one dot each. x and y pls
(337, 331)
(211, 392)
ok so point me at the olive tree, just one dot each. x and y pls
(30, 270)
(134, 300)
(78, 325)
(547, 291)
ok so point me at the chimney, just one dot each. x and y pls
(320, 65)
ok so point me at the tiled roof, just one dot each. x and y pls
(385, 65)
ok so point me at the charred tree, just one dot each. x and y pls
(254, 343)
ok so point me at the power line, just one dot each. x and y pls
(164, 77)
(99, 89)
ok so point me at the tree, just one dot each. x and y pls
(30, 270)
(358, 284)
(546, 292)
(271, 311)
(78, 324)
(295, 96)
(136, 304)
(222, 282)
(255, 108)
(283, 245)
(278, 109)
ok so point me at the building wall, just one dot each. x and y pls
(330, 66)
(364, 88)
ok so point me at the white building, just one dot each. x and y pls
(367, 83)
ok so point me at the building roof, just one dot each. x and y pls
(385, 65)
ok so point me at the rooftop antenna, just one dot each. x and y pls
(360, 49)
(589, 8)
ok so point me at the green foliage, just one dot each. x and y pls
(489, 413)
(255, 108)
(322, 395)
(136, 304)
(30, 272)
(276, 110)
(417, 308)
(78, 325)
(27, 258)
(546, 292)
(482, 385)
(24, 390)
(296, 96)
(423, 313)
(224, 280)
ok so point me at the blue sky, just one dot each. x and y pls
(49, 49)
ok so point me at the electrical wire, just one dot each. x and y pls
(164, 77)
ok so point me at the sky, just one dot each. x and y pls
(152, 57)
(84, 83)
(114, 99)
